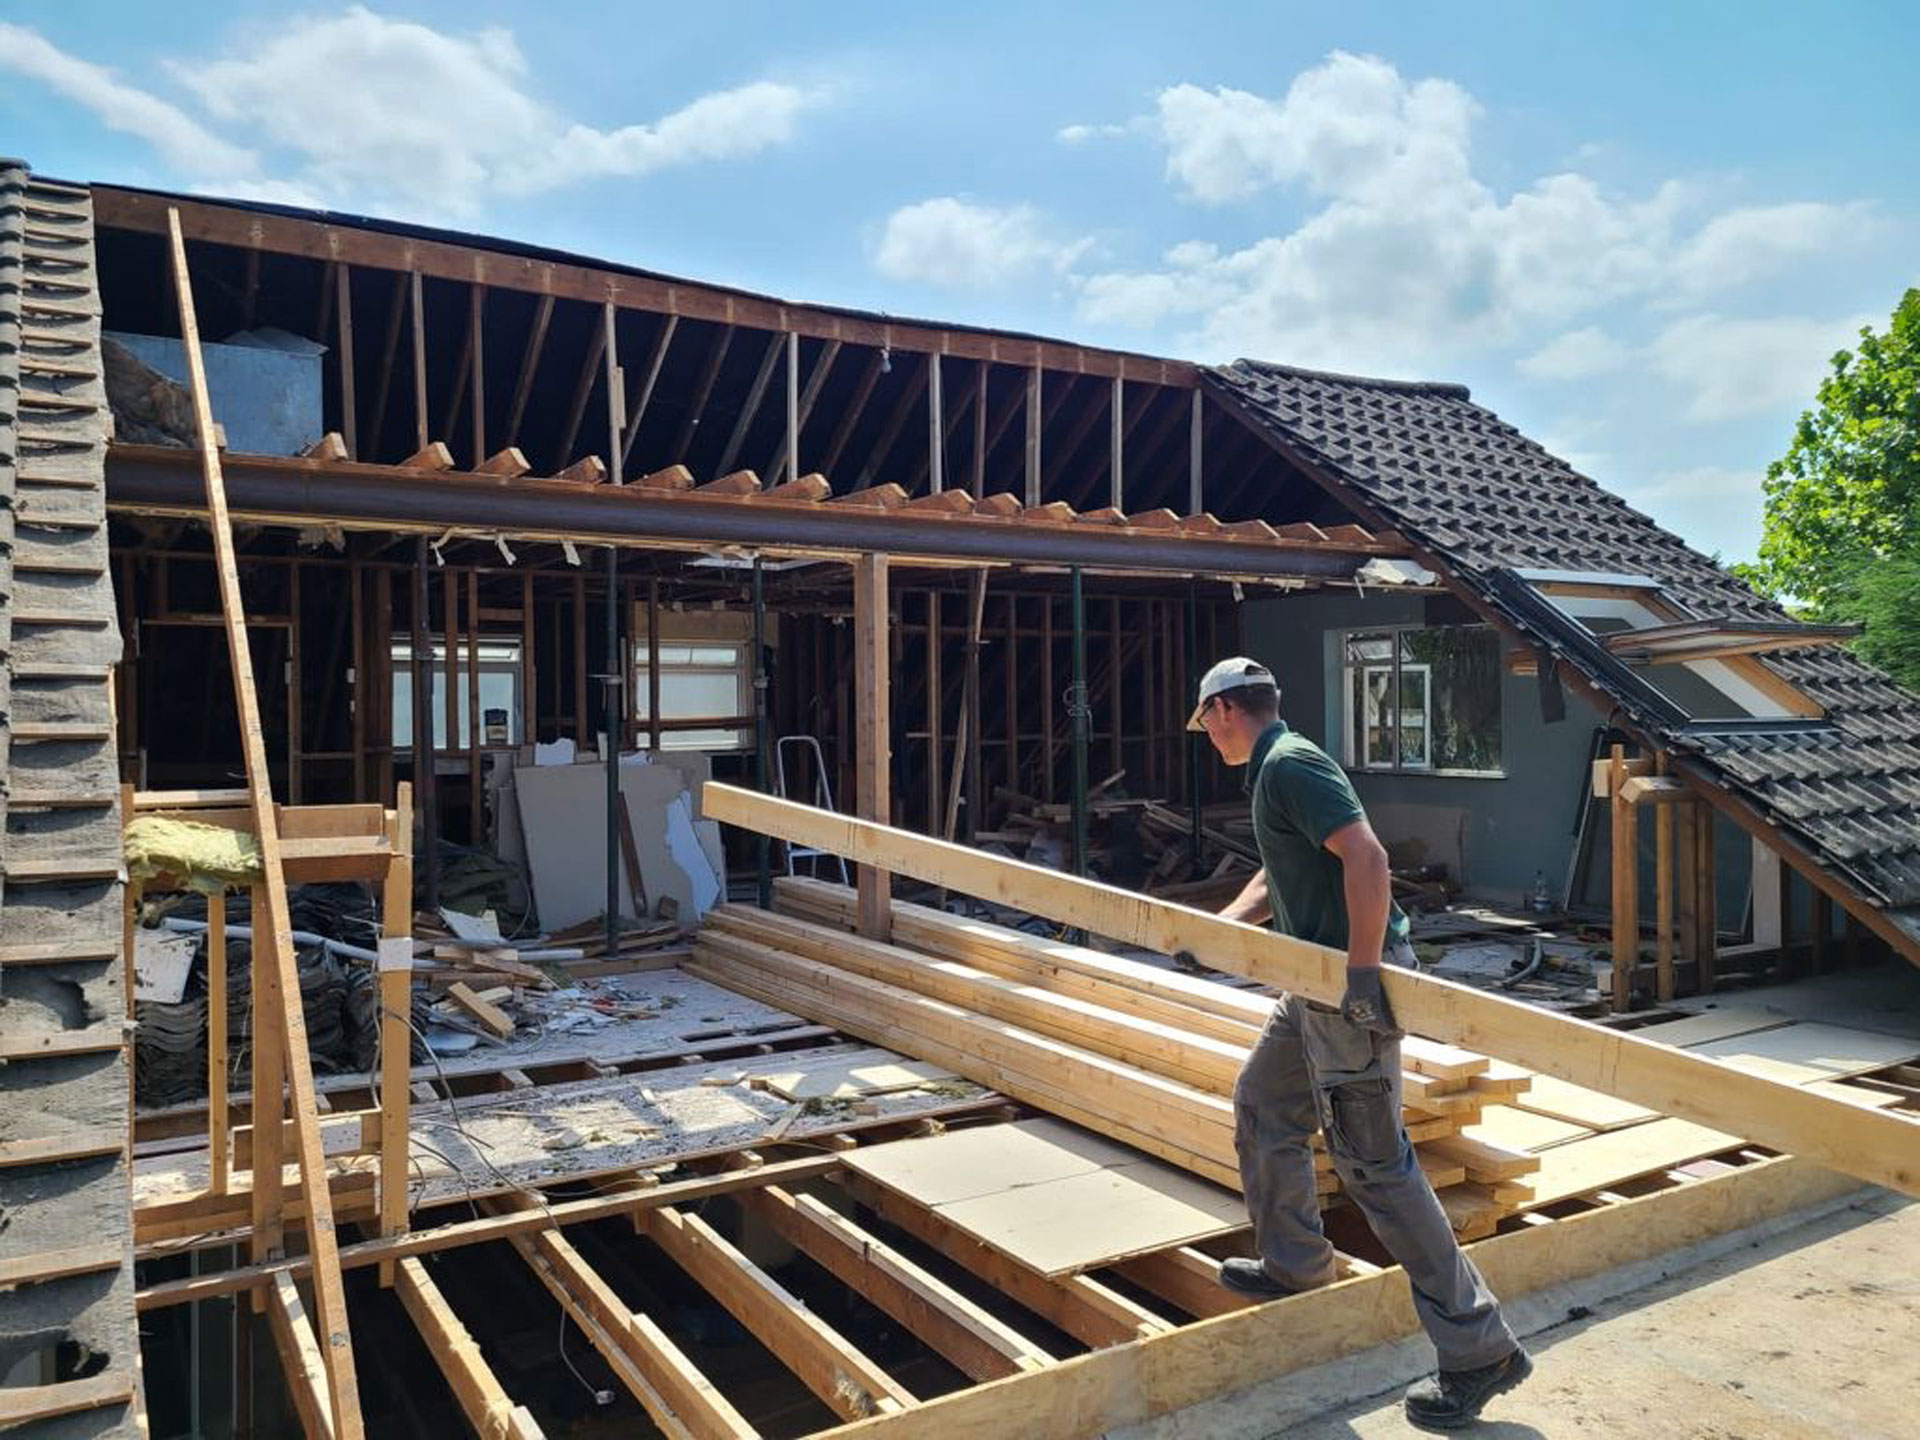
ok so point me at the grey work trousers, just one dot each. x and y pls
(1311, 1070)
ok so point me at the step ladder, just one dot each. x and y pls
(808, 746)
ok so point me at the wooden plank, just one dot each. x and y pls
(1162, 1117)
(488, 1014)
(301, 1361)
(483, 1400)
(47, 1265)
(1187, 1278)
(529, 366)
(489, 1229)
(1624, 915)
(680, 1400)
(850, 1384)
(22, 1404)
(1876, 1146)
(873, 708)
(271, 913)
(396, 1027)
(955, 1328)
(1194, 1059)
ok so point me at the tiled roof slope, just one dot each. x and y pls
(1482, 496)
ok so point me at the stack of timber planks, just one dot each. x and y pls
(1145, 1055)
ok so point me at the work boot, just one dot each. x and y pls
(1453, 1399)
(1250, 1277)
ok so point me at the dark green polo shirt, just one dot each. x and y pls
(1300, 797)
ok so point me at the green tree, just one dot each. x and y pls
(1842, 531)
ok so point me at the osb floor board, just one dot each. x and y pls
(548, 1133)
(1621, 1155)
(1799, 1053)
(1051, 1196)
(1715, 1024)
(876, 1073)
(1514, 1129)
(1578, 1105)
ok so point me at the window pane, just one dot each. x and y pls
(1464, 705)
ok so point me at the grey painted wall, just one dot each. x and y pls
(1493, 833)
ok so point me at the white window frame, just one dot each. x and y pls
(717, 737)
(1396, 670)
(1640, 616)
(499, 653)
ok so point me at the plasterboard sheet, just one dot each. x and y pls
(1800, 1053)
(1053, 1197)
(1578, 1105)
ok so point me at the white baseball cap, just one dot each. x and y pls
(1230, 674)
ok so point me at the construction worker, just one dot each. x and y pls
(1324, 878)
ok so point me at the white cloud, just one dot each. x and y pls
(355, 108)
(182, 141)
(1730, 368)
(1081, 134)
(1346, 128)
(956, 244)
(1577, 355)
(1743, 246)
(1407, 261)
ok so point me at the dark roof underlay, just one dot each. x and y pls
(1486, 500)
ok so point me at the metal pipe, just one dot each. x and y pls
(1082, 713)
(279, 491)
(182, 926)
(763, 845)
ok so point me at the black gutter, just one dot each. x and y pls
(292, 492)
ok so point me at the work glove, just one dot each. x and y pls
(1185, 960)
(1365, 1003)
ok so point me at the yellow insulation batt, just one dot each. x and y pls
(201, 857)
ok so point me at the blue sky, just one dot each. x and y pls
(1637, 234)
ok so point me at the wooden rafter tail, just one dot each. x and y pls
(334, 1338)
(808, 489)
(587, 470)
(1105, 515)
(739, 482)
(1053, 512)
(875, 497)
(508, 464)
(1154, 520)
(674, 478)
(943, 502)
(432, 456)
(1004, 505)
(1881, 1147)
